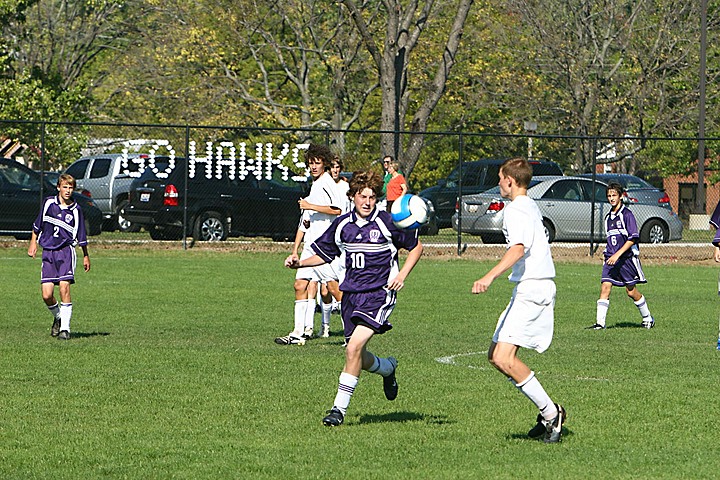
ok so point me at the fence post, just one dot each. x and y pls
(460, 247)
(185, 187)
(593, 149)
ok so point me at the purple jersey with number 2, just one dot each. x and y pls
(371, 248)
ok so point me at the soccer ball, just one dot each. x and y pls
(409, 212)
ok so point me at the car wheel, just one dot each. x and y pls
(123, 224)
(490, 238)
(549, 230)
(654, 232)
(210, 227)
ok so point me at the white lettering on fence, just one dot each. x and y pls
(218, 160)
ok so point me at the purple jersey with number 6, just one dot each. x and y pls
(621, 227)
(371, 248)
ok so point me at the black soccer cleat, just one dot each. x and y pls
(334, 418)
(64, 335)
(596, 326)
(390, 386)
(554, 428)
(55, 330)
(539, 430)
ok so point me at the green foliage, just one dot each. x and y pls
(171, 375)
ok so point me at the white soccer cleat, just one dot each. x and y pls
(325, 331)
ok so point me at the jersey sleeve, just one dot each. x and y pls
(631, 226)
(81, 233)
(325, 246)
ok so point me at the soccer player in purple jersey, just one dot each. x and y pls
(59, 227)
(622, 259)
(715, 222)
(371, 242)
(528, 320)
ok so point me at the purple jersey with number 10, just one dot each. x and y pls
(371, 248)
(621, 227)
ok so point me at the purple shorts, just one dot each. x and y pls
(371, 309)
(627, 271)
(58, 265)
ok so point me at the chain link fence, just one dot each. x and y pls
(183, 184)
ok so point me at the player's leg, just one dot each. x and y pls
(300, 286)
(65, 310)
(48, 295)
(326, 298)
(603, 304)
(639, 300)
(354, 353)
(309, 321)
(503, 356)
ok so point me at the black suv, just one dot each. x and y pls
(21, 200)
(216, 207)
(477, 176)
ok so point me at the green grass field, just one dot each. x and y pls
(172, 373)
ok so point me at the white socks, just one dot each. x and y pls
(300, 308)
(602, 309)
(346, 388)
(531, 388)
(65, 314)
(326, 313)
(642, 306)
(309, 321)
(381, 366)
(55, 310)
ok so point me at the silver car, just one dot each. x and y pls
(567, 210)
(637, 190)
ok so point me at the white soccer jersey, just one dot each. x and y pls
(323, 192)
(522, 224)
(343, 188)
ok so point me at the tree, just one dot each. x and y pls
(404, 28)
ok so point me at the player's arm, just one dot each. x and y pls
(32, 248)
(327, 209)
(313, 261)
(294, 257)
(616, 256)
(86, 258)
(717, 254)
(413, 256)
(512, 255)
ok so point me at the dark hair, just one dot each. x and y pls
(615, 186)
(321, 152)
(363, 179)
(519, 169)
(336, 159)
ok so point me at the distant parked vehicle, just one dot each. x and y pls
(21, 199)
(476, 176)
(566, 206)
(103, 176)
(217, 208)
(637, 190)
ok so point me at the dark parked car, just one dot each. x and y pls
(637, 190)
(477, 176)
(21, 199)
(216, 207)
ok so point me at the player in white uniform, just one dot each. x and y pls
(330, 294)
(528, 319)
(319, 209)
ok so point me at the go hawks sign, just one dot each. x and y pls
(216, 160)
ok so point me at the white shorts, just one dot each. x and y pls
(339, 266)
(528, 319)
(321, 273)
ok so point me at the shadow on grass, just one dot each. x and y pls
(523, 436)
(89, 334)
(626, 325)
(402, 417)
